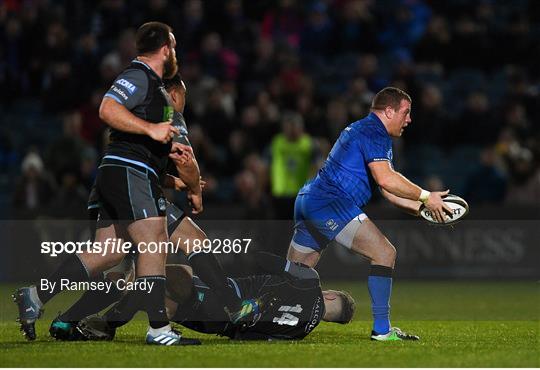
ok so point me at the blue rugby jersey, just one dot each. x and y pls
(345, 172)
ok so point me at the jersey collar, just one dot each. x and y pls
(372, 116)
(146, 65)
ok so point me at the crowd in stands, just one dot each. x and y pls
(249, 66)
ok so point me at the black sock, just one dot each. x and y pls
(72, 269)
(208, 269)
(91, 302)
(152, 299)
(122, 312)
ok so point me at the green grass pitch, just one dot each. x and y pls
(461, 324)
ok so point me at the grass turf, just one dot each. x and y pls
(461, 324)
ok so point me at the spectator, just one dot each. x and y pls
(64, 154)
(283, 24)
(34, 188)
(430, 123)
(92, 126)
(316, 37)
(245, 63)
(355, 27)
(434, 46)
(475, 125)
(70, 201)
(488, 184)
(292, 154)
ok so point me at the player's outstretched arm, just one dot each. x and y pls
(120, 118)
(398, 185)
(411, 207)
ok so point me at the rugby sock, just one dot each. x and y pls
(271, 263)
(122, 312)
(207, 268)
(274, 264)
(152, 300)
(91, 302)
(380, 288)
(72, 269)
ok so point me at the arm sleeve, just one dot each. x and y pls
(375, 147)
(129, 88)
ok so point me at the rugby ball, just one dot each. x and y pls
(459, 207)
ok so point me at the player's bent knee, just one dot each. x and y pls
(188, 233)
(392, 253)
(96, 263)
(307, 256)
(385, 256)
(114, 276)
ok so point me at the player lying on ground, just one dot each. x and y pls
(31, 300)
(179, 225)
(329, 207)
(293, 304)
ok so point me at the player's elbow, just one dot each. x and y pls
(106, 109)
(103, 110)
(384, 182)
(385, 193)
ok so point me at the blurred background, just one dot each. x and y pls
(270, 85)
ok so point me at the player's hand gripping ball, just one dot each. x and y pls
(459, 207)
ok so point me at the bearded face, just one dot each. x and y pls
(171, 66)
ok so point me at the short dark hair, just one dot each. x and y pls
(173, 82)
(348, 307)
(151, 36)
(389, 97)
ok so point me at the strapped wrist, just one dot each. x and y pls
(424, 196)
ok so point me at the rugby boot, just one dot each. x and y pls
(96, 328)
(30, 309)
(169, 337)
(63, 330)
(393, 335)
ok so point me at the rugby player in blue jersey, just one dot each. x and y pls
(329, 207)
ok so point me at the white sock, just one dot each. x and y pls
(158, 331)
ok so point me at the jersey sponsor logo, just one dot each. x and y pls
(315, 318)
(128, 85)
(168, 113)
(119, 92)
